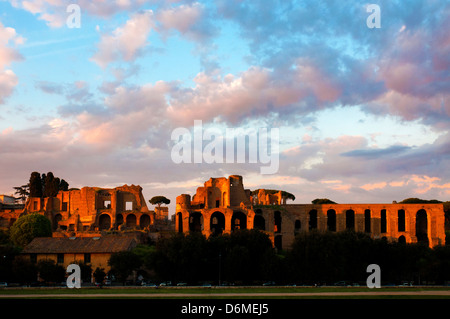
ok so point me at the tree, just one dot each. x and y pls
(123, 263)
(22, 192)
(49, 271)
(35, 185)
(158, 200)
(414, 200)
(99, 275)
(63, 185)
(51, 185)
(319, 201)
(45, 185)
(27, 227)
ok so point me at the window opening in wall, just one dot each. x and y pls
(367, 220)
(383, 221)
(128, 205)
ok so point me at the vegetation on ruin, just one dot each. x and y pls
(45, 185)
(320, 201)
(285, 194)
(158, 200)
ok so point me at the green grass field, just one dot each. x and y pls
(234, 292)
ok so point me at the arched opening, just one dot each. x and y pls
(297, 225)
(56, 220)
(401, 220)
(367, 221)
(217, 223)
(313, 219)
(383, 222)
(350, 219)
(402, 240)
(277, 222)
(421, 226)
(278, 242)
(238, 221)
(331, 220)
(104, 222)
(195, 222)
(180, 222)
(144, 221)
(259, 223)
(131, 220)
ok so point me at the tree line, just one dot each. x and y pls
(41, 185)
(247, 257)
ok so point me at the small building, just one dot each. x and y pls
(93, 251)
(7, 200)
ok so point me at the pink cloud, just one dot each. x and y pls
(181, 18)
(125, 42)
(319, 83)
(8, 79)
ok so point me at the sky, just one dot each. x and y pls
(363, 113)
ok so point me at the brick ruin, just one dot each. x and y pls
(91, 210)
(223, 205)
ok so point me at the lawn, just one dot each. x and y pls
(220, 292)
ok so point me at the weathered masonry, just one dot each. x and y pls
(223, 205)
(95, 209)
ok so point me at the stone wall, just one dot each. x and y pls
(207, 213)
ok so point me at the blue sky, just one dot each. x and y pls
(363, 113)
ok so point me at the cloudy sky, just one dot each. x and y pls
(363, 113)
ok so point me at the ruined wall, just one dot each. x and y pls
(409, 223)
(94, 208)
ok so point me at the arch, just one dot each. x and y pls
(350, 219)
(180, 222)
(217, 223)
(195, 222)
(422, 226)
(313, 219)
(144, 221)
(130, 221)
(331, 220)
(238, 220)
(402, 240)
(259, 222)
(401, 220)
(277, 222)
(104, 222)
(297, 225)
(367, 221)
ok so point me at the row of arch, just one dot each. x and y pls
(239, 221)
(105, 221)
(217, 222)
(421, 230)
(131, 221)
